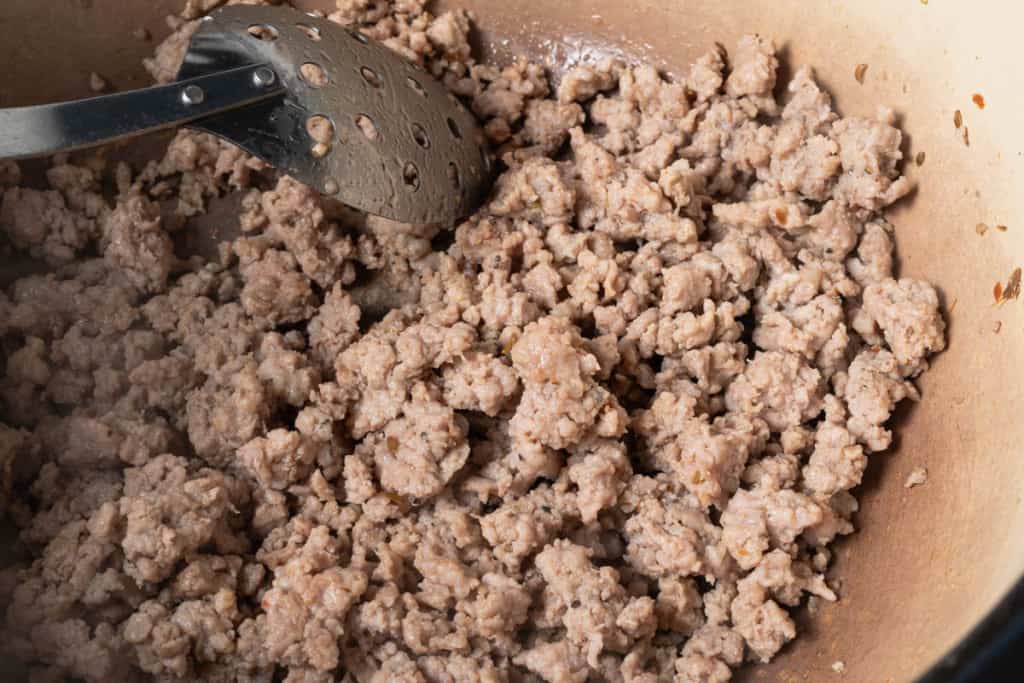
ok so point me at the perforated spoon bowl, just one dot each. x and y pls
(323, 103)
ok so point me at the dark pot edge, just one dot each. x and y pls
(970, 660)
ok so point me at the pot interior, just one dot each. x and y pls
(927, 563)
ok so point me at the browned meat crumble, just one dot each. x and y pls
(604, 431)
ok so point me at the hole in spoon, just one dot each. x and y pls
(367, 127)
(312, 32)
(415, 86)
(420, 136)
(360, 37)
(411, 176)
(454, 128)
(264, 32)
(455, 175)
(313, 74)
(321, 130)
(370, 76)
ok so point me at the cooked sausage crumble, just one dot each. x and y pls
(603, 430)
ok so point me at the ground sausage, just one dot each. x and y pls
(603, 429)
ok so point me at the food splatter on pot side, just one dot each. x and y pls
(604, 430)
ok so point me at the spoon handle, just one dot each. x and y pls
(65, 126)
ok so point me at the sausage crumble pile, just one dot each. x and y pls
(604, 430)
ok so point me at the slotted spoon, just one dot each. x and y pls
(323, 103)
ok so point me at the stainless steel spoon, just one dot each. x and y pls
(323, 103)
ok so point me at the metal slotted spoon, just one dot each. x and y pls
(323, 103)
